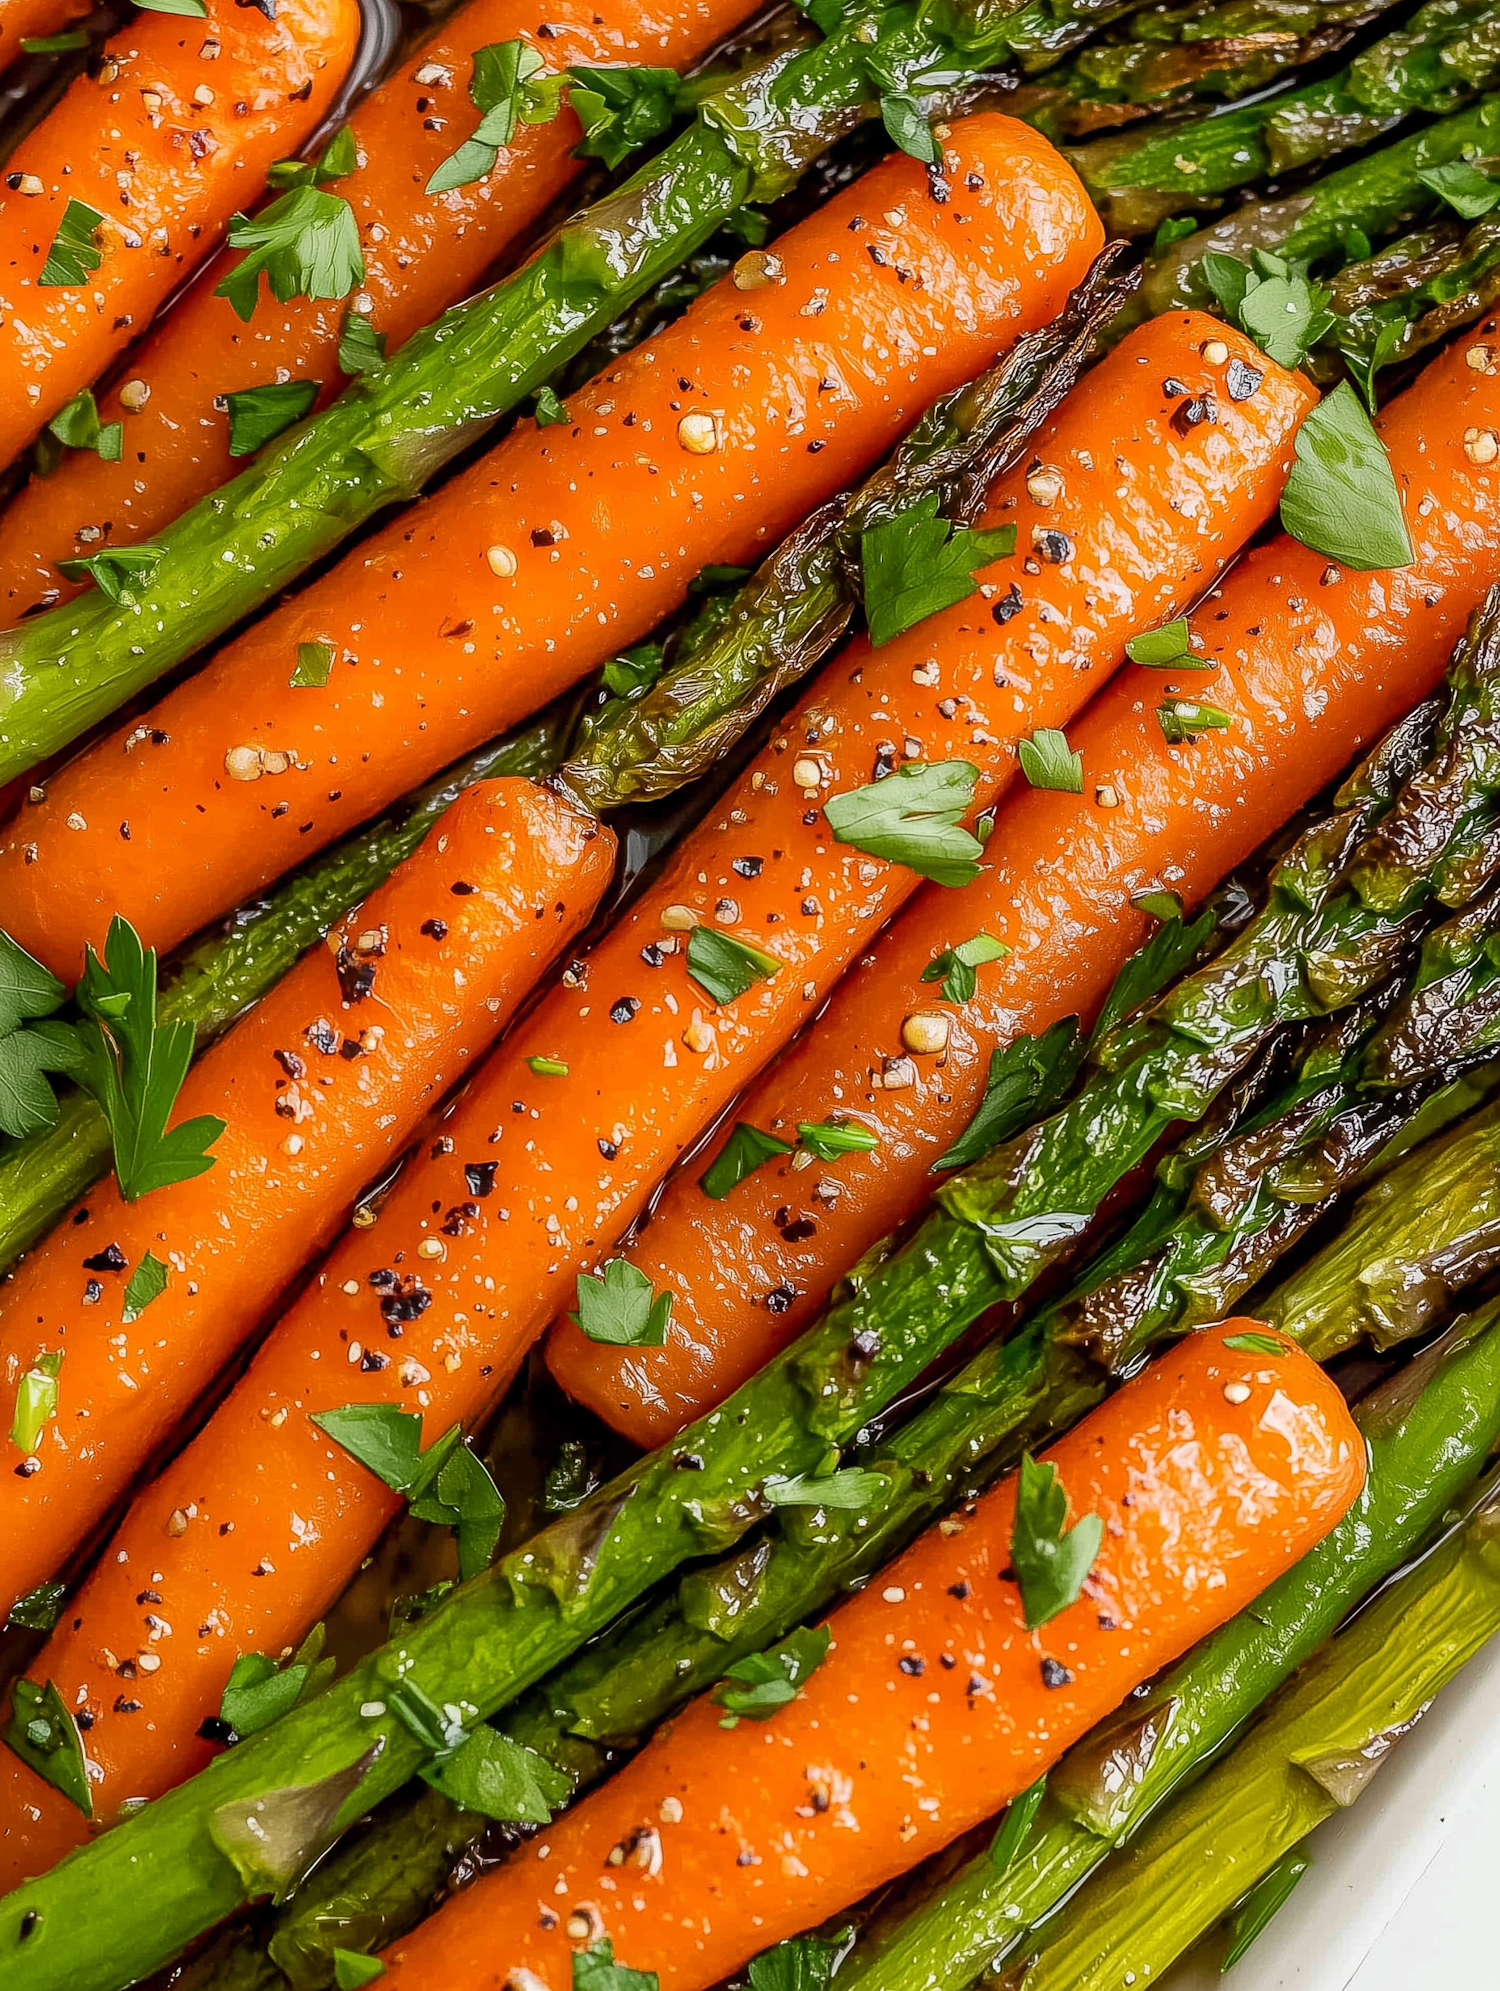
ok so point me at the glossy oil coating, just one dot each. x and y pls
(320, 1085)
(21, 20)
(796, 387)
(935, 1704)
(1149, 509)
(172, 135)
(1320, 662)
(422, 253)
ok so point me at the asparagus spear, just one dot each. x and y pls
(1343, 904)
(390, 430)
(1110, 1782)
(1444, 56)
(1315, 1752)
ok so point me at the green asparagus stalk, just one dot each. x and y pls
(1444, 57)
(1313, 1755)
(390, 430)
(1104, 1788)
(799, 602)
(1413, 294)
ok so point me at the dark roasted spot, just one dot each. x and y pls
(460, 890)
(1055, 1674)
(802, 1227)
(435, 929)
(216, 1729)
(1106, 1622)
(780, 1298)
(111, 1259)
(623, 1010)
(960, 1590)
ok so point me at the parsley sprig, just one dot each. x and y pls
(306, 244)
(1341, 498)
(447, 1484)
(620, 1307)
(914, 817)
(30, 1049)
(1273, 300)
(622, 108)
(1051, 1560)
(510, 85)
(917, 563)
(762, 1682)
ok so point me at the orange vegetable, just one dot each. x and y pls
(422, 253)
(706, 445)
(320, 1085)
(172, 134)
(935, 1705)
(1317, 662)
(23, 20)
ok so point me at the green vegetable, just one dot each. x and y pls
(259, 1692)
(147, 1283)
(620, 1308)
(1184, 719)
(1051, 1560)
(826, 1140)
(43, 1733)
(1261, 1904)
(361, 347)
(1015, 1824)
(762, 1682)
(447, 1485)
(1168, 648)
(1048, 762)
(955, 966)
(622, 109)
(257, 415)
(39, 1610)
(854, 1489)
(1341, 498)
(338, 157)
(76, 425)
(915, 563)
(1466, 190)
(497, 1778)
(194, 10)
(36, 1401)
(908, 128)
(75, 254)
(510, 85)
(351, 1970)
(802, 1963)
(28, 992)
(913, 817)
(1253, 1344)
(1026, 1077)
(547, 1067)
(314, 665)
(1271, 299)
(745, 1151)
(724, 967)
(595, 1969)
(59, 44)
(306, 243)
(549, 412)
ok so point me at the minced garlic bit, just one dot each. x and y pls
(1215, 352)
(1107, 795)
(1481, 445)
(925, 1031)
(432, 1247)
(501, 562)
(757, 268)
(698, 433)
(699, 1036)
(28, 184)
(680, 919)
(897, 1075)
(1044, 485)
(807, 773)
(1482, 359)
(134, 395)
(1236, 1392)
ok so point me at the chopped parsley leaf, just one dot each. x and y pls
(826, 1140)
(724, 967)
(74, 255)
(955, 967)
(745, 1151)
(1051, 1560)
(307, 244)
(510, 85)
(762, 1682)
(1048, 762)
(1341, 498)
(916, 563)
(914, 817)
(257, 415)
(620, 1309)
(622, 109)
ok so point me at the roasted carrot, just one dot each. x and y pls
(618, 1074)
(422, 252)
(21, 20)
(935, 1704)
(319, 1085)
(123, 189)
(1317, 661)
(779, 385)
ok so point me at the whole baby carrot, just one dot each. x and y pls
(568, 1129)
(320, 1084)
(941, 1696)
(421, 252)
(786, 380)
(123, 189)
(1316, 661)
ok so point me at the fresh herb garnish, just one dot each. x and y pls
(74, 255)
(1466, 190)
(1254, 1344)
(1051, 1560)
(134, 1068)
(447, 1484)
(307, 243)
(914, 817)
(1169, 648)
(36, 1401)
(193, 10)
(60, 44)
(40, 1609)
(620, 1307)
(1271, 299)
(631, 672)
(724, 967)
(744, 1152)
(1341, 498)
(1185, 719)
(338, 157)
(257, 415)
(801, 1963)
(352, 1970)
(361, 347)
(490, 1774)
(762, 1682)
(1047, 761)
(1160, 960)
(43, 1733)
(549, 411)
(826, 1140)
(116, 570)
(917, 563)
(907, 127)
(314, 664)
(29, 992)
(147, 1283)
(76, 425)
(1175, 228)
(955, 966)
(1255, 1909)
(1016, 1823)
(259, 1691)
(852, 1489)
(1028, 1076)
(622, 109)
(510, 85)
(595, 1969)
(547, 1067)
(1365, 366)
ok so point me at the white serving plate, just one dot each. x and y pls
(1401, 1892)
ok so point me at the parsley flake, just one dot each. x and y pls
(258, 1691)
(907, 127)
(307, 243)
(1160, 960)
(620, 1309)
(1466, 190)
(724, 967)
(314, 664)
(1341, 498)
(914, 817)
(745, 1151)
(547, 1067)
(622, 109)
(1006, 1845)
(826, 1140)
(147, 1283)
(762, 1682)
(60, 44)
(549, 411)
(1254, 1344)
(1048, 762)
(1185, 719)
(1051, 1560)
(801, 1963)
(1169, 648)
(29, 992)
(852, 1490)
(510, 85)
(361, 347)
(74, 255)
(447, 1485)
(43, 1733)
(917, 563)
(490, 1774)
(339, 157)
(1271, 299)
(117, 570)
(257, 415)
(595, 1969)
(36, 1401)
(192, 10)
(1027, 1078)
(76, 425)
(40, 1609)
(352, 1969)
(955, 966)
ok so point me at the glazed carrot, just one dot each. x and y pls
(171, 136)
(319, 1085)
(21, 20)
(422, 253)
(1212, 1473)
(1317, 662)
(522, 574)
